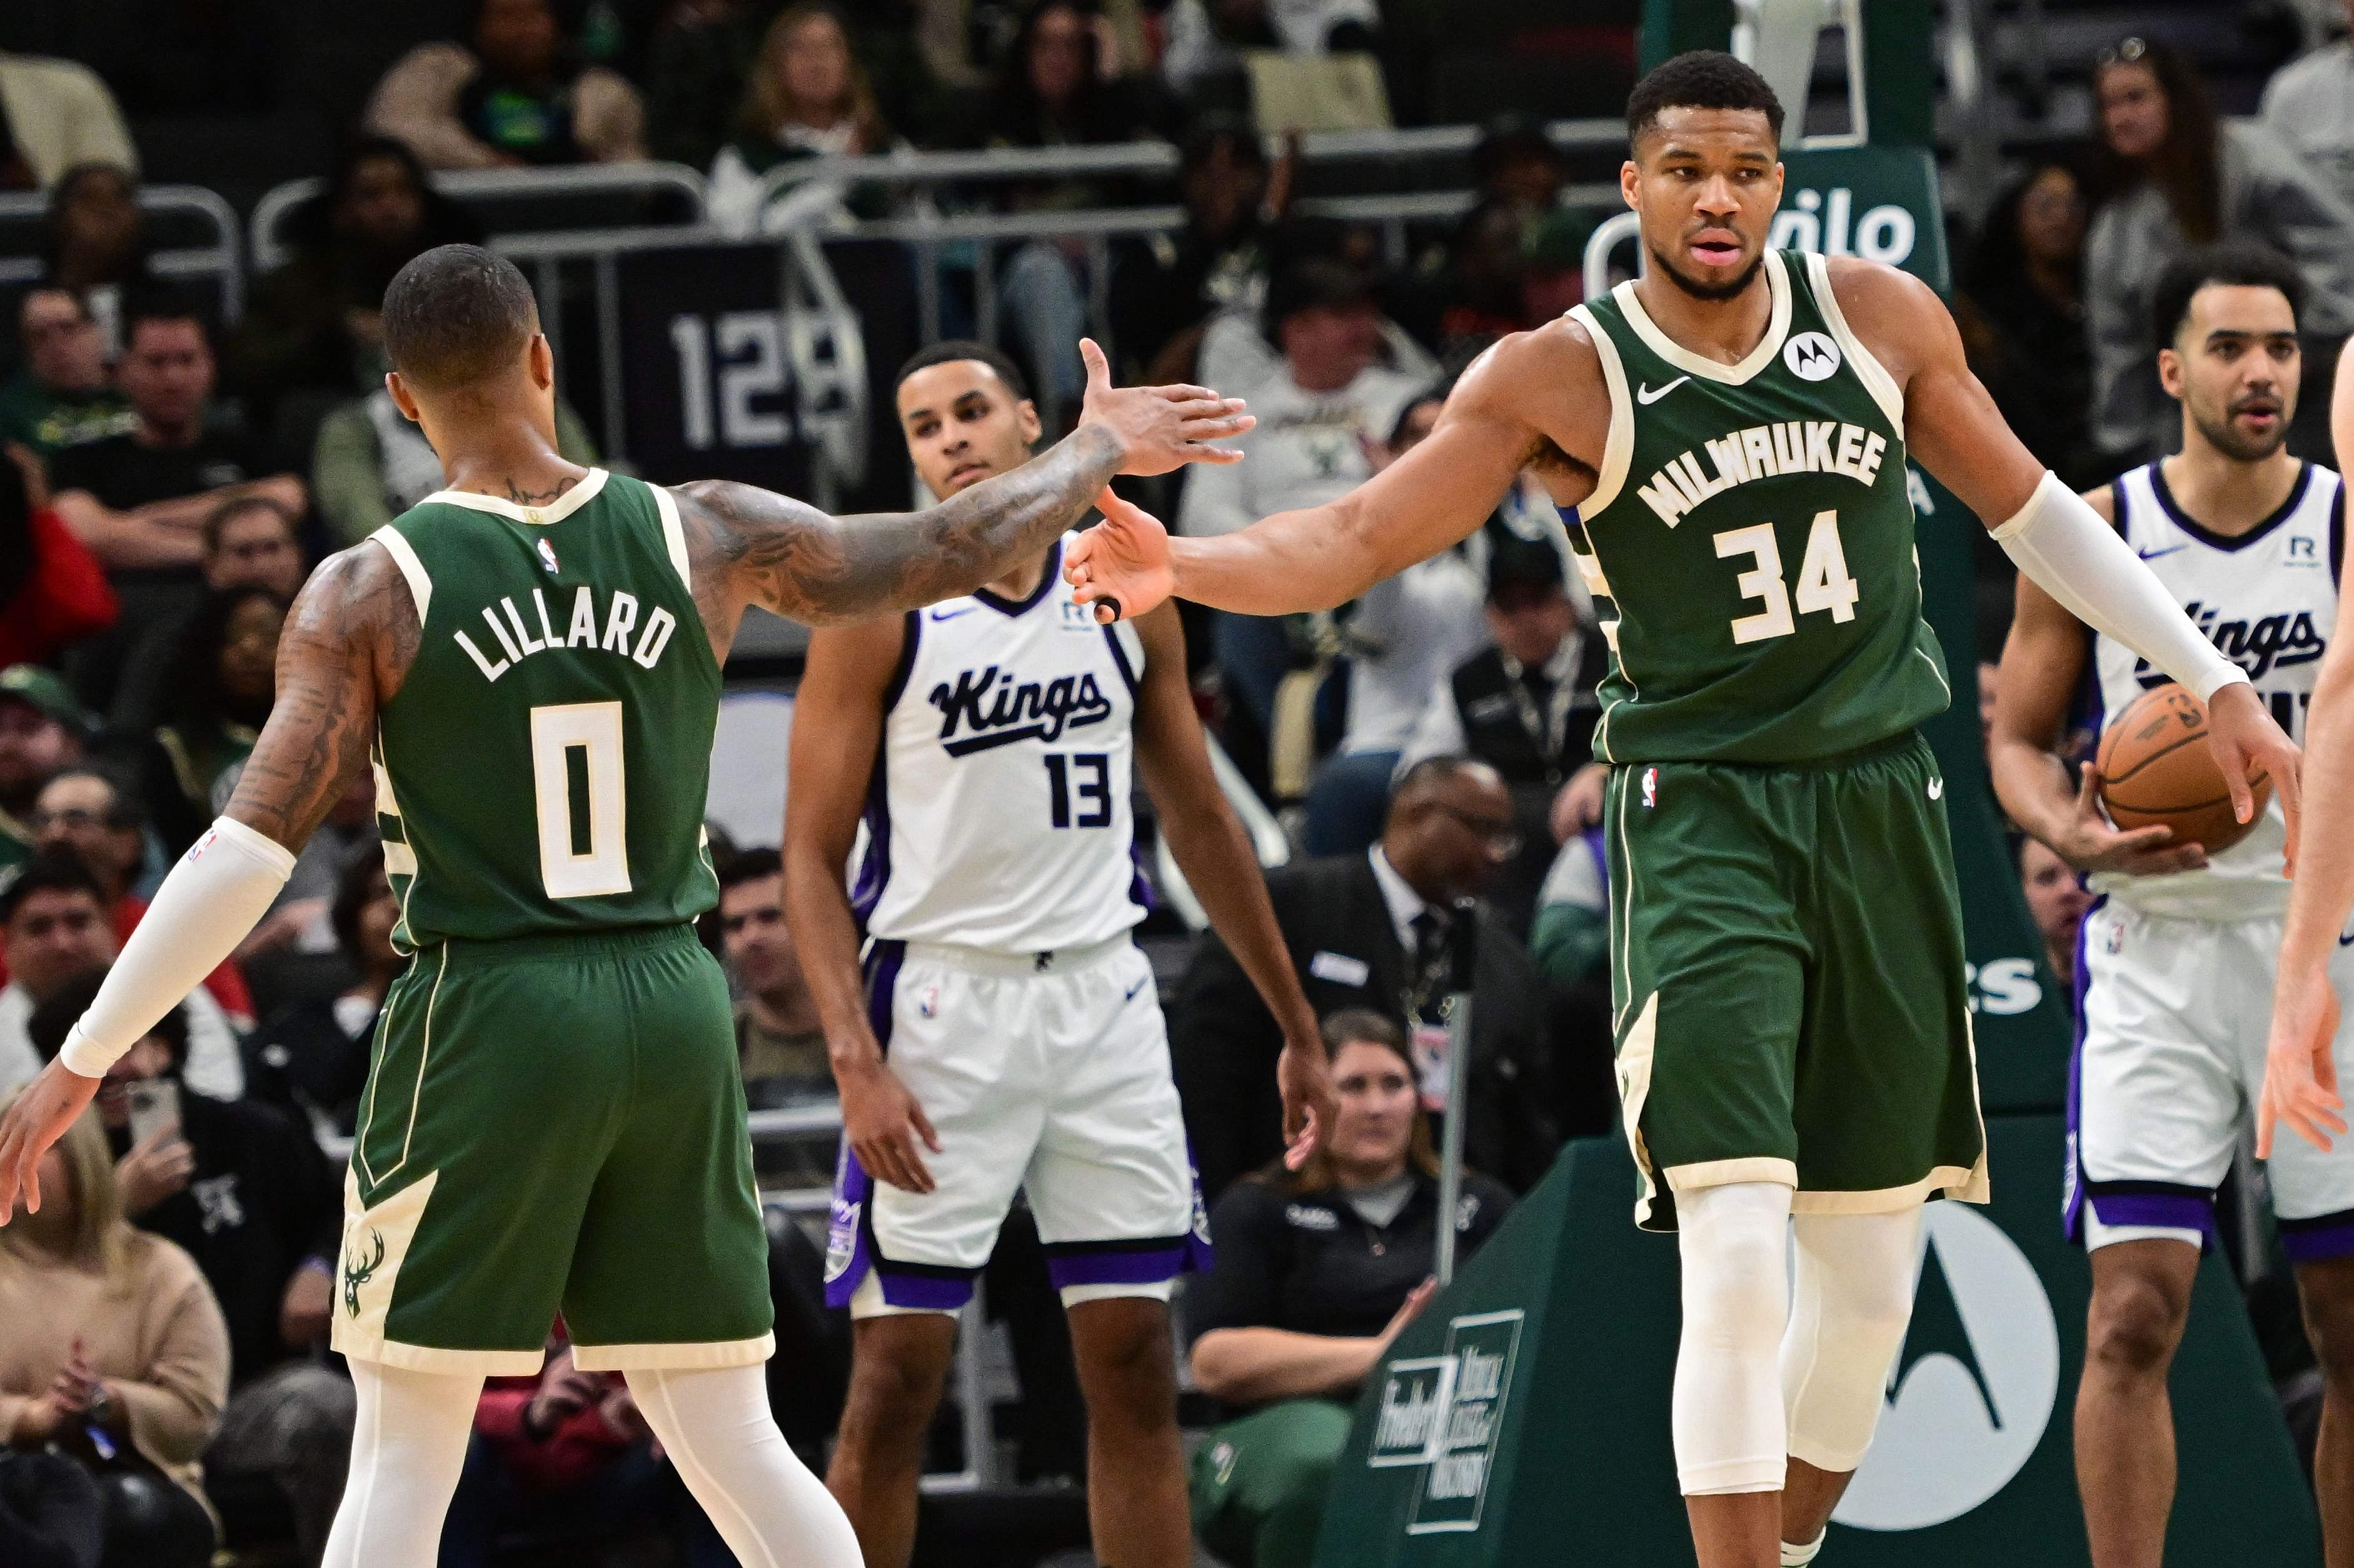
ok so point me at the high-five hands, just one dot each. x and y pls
(1159, 427)
(1121, 566)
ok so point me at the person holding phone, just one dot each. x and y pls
(243, 1189)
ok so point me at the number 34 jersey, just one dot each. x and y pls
(1000, 815)
(544, 767)
(1749, 540)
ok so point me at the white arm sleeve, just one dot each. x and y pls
(2061, 543)
(217, 893)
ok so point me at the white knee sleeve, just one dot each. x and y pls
(408, 1445)
(1856, 1275)
(1729, 1431)
(766, 1507)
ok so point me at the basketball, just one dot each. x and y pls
(2156, 768)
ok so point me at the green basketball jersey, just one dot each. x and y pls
(544, 767)
(1749, 540)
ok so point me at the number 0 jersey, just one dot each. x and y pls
(999, 814)
(2268, 601)
(544, 767)
(1749, 540)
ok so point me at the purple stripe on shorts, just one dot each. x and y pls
(923, 1292)
(1141, 1265)
(849, 1247)
(2316, 1241)
(2072, 1193)
(2174, 1210)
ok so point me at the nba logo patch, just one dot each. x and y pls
(547, 557)
(927, 1003)
(1651, 788)
(2116, 939)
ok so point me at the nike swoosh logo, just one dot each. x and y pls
(2347, 940)
(1133, 990)
(1646, 396)
(2153, 554)
(953, 614)
(1937, 788)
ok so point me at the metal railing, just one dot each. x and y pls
(487, 188)
(223, 261)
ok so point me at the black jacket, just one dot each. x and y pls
(262, 1200)
(1223, 1043)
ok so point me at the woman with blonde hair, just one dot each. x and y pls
(113, 1352)
(808, 97)
(1317, 1270)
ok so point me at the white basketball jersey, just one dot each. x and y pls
(2269, 600)
(1000, 815)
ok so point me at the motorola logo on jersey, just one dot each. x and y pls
(994, 707)
(1972, 1391)
(1811, 357)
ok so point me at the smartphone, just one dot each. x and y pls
(155, 1104)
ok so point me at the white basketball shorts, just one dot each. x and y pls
(2172, 1017)
(1043, 1073)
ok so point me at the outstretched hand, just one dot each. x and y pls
(49, 1105)
(1159, 427)
(2300, 1067)
(1121, 566)
(2247, 745)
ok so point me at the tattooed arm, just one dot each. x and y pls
(748, 546)
(347, 645)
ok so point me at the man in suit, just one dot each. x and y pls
(1370, 930)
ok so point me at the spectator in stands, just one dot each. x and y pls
(53, 593)
(778, 1039)
(808, 97)
(54, 927)
(111, 1343)
(1060, 84)
(310, 1058)
(2025, 320)
(2309, 105)
(1516, 164)
(42, 729)
(224, 678)
(1402, 638)
(61, 396)
(1524, 705)
(315, 324)
(56, 114)
(1207, 38)
(248, 541)
(1370, 930)
(371, 464)
(1163, 298)
(509, 97)
(567, 1452)
(2184, 178)
(246, 1193)
(1317, 1271)
(95, 243)
(138, 501)
(2057, 903)
(702, 58)
(1320, 422)
(89, 811)
(1570, 937)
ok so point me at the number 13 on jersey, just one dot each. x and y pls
(1823, 580)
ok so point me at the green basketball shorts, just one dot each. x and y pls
(554, 1124)
(1788, 983)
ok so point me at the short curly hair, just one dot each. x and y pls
(1702, 79)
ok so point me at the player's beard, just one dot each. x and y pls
(2227, 438)
(1712, 293)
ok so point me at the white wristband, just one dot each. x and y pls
(2065, 549)
(217, 893)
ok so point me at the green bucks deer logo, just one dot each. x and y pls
(356, 1273)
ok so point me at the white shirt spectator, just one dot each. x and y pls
(1308, 448)
(2309, 104)
(1440, 731)
(214, 1067)
(61, 115)
(1301, 26)
(1408, 632)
